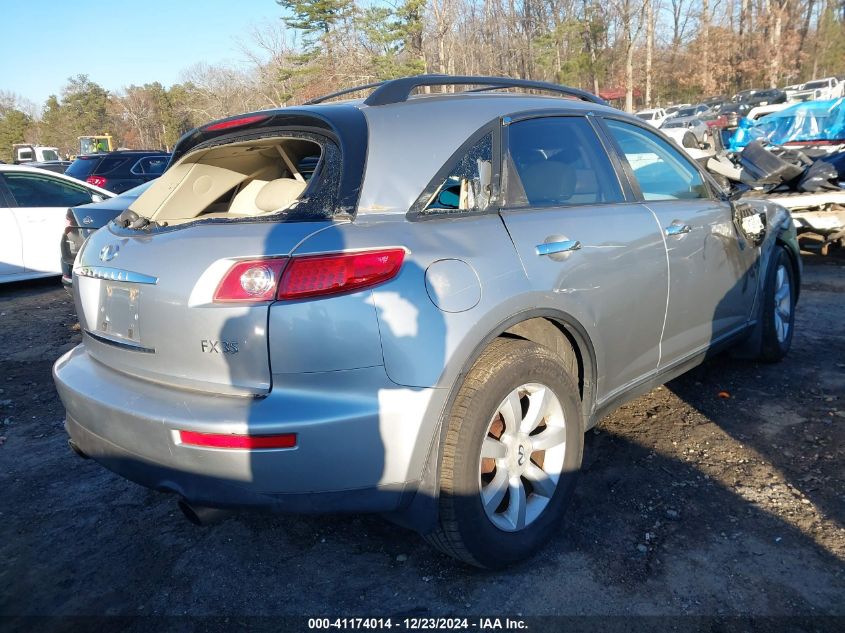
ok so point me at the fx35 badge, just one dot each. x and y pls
(219, 347)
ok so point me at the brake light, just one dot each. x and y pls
(253, 280)
(97, 181)
(320, 275)
(238, 122)
(307, 276)
(221, 440)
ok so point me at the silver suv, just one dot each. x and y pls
(412, 304)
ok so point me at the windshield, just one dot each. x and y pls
(816, 84)
(686, 112)
(50, 154)
(92, 145)
(646, 116)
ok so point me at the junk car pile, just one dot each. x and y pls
(795, 157)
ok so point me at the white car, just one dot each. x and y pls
(760, 111)
(687, 119)
(688, 142)
(653, 116)
(33, 207)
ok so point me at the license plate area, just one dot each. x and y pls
(118, 316)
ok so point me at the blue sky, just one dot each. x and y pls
(43, 42)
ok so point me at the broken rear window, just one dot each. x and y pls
(284, 176)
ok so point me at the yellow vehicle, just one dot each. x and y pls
(96, 144)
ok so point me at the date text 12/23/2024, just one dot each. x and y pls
(419, 624)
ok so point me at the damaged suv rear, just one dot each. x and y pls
(412, 304)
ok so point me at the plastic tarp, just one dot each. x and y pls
(808, 121)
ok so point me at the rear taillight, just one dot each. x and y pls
(97, 181)
(319, 275)
(221, 440)
(253, 280)
(307, 276)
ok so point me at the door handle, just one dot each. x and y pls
(550, 248)
(677, 229)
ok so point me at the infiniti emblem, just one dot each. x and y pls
(108, 252)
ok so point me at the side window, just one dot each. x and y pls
(661, 170)
(110, 164)
(468, 187)
(558, 161)
(150, 166)
(35, 190)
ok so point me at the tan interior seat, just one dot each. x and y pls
(244, 201)
(239, 180)
(278, 194)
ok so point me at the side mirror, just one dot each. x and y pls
(736, 191)
(95, 197)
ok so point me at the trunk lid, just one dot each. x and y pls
(144, 301)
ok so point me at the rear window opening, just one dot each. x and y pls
(245, 179)
(83, 167)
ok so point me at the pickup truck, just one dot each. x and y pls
(39, 156)
(827, 88)
(26, 153)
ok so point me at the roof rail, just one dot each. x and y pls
(399, 90)
(340, 93)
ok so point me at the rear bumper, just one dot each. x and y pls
(361, 440)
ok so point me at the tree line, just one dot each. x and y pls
(646, 53)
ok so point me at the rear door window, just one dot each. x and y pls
(661, 170)
(558, 161)
(150, 166)
(468, 186)
(111, 164)
(35, 190)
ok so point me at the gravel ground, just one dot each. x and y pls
(690, 503)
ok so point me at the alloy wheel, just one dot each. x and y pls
(522, 456)
(783, 303)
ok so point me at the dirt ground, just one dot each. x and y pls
(690, 504)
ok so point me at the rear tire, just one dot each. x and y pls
(778, 318)
(512, 452)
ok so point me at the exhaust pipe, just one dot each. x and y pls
(75, 448)
(202, 515)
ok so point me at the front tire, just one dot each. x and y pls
(512, 452)
(778, 307)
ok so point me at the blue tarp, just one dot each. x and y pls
(808, 121)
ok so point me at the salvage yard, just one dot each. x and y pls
(722, 493)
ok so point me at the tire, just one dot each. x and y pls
(778, 325)
(491, 536)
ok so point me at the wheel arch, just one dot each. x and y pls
(555, 329)
(791, 246)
